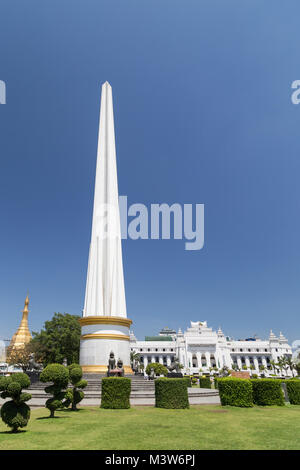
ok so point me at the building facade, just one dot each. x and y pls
(200, 348)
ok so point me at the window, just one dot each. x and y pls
(157, 359)
(194, 360)
(241, 350)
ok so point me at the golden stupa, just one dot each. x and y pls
(22, 335)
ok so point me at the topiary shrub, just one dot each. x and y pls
(115, 392)
(59, 375)
(216, 382)
(74, 396)
(159, 369)
(235, 392)
(293, 389)
(15, 413)
(204, 382)
(171, 393)
(267, 392)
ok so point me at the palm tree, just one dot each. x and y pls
(134, 359)
(290, 363)
(280, 364)
(273, 365)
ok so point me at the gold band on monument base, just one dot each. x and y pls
(105, 336)
(100, 320)
(100, 369)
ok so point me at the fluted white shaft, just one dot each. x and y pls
(105, 292)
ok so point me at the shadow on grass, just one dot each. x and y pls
(20, 431)
(54, 417)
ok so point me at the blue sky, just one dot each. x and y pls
(203, 114)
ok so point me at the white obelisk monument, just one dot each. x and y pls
(104, 325)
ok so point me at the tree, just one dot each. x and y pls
(290, 363)
(159, 369)
(59, 375)
(134, 359)
(273, 365)
(75, 395)
(20, 357)
(59, 339)
(15, 413)
(281, 364)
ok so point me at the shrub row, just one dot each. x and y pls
(235, 392)
(171, 393)
(204, 382)
(293, 389)
(267, 392)
(115, 392)
(246, 393)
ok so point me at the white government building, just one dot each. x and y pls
(200, 347)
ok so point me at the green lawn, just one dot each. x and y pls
(200, 427)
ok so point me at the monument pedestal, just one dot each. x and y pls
(101, 335)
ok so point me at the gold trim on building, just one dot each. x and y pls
(105, 336)
(103, 369)
(98, 320)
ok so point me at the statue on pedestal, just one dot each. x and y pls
(112, 369)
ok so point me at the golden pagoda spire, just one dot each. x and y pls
(22, 335)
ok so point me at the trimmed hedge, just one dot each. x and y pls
(188, 381)
(235, 392)
(171, 393)
(204, 382)
(267, 392)
(115, 392)
(293, 389)
(216, 382)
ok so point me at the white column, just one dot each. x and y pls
(207, 356)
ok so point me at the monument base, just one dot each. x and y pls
(100, 336)
(102, 369)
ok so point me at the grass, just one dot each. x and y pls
(200, 427)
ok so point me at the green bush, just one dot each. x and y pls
(216, 382)
(59, 375)
(204, 382)
(159, 369)
(235, 392)
(15, 413)
(74, 396)
(293, 389)
(171, 393)
(187, 379)
(267, 392)
(115, 392)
